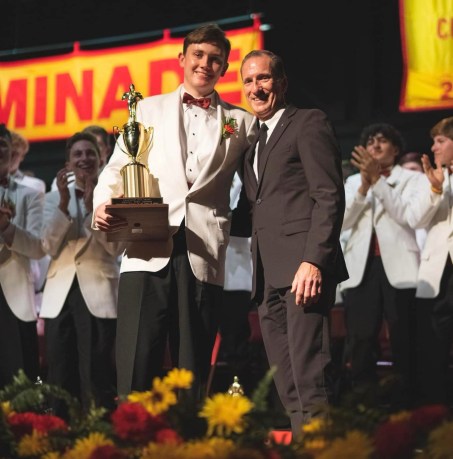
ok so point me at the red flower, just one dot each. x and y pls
(131, 421)
(229, 129)
(168, 436)
(107, 452)
(394, 440)
(24, 423)
(427, 417)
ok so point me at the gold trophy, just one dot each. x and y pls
(141, 204)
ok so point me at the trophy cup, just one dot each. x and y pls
(141, 204)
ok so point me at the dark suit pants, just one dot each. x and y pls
(18, 345)
(365, 307)
(434, 341)
(167, 305)
(79, 350)
(297, 343)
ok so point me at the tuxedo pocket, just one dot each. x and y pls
(296, 226)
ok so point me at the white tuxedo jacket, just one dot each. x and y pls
(91, 258)
(16, 277)
(434, 212)
(386, 207)
(205, 207)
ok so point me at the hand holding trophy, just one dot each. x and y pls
(143, 209)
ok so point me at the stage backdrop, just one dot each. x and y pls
(51, 98)
(427, 40)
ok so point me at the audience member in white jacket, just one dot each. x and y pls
(79, 299)
(381, 254)
(20, 226)
(435, 279)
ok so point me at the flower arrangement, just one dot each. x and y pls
(229, 127)
(165, 423)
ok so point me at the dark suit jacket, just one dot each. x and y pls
(298, 203)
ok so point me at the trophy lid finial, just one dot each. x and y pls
(132, 97)
(236, 388)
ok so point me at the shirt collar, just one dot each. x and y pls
(272, 122)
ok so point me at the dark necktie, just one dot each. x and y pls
(262, 139)
(203, 102)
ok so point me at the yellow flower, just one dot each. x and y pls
(315, 425)
(221, 447)
(84, 447)
(211, 448)
(439, 442)
(6, 408)
(179, 378)
(225, 413)
(316, 444)
(401, 416)
(32, 445)
(157, 400)
(162, 450)
(356, 444)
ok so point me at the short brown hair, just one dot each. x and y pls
(210, 33)
(277, 66)
(19, 140)
(443, 127)
(81, 136)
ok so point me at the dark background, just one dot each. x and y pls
(342, 56)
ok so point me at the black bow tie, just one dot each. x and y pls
(4, 182)
(79, 193)
(203, 102)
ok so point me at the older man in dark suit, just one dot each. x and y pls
(293, 182)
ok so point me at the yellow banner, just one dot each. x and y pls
(427, 39)
(52, 98)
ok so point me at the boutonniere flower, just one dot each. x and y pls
(230, 127)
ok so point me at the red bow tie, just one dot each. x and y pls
(203, 102)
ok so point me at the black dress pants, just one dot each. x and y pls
(172, 305)
(297, 343)
(18, 345)
(365, 307)
(79, 353)
(434, 342)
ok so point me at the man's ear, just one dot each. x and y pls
(225, 68)
(181, 59)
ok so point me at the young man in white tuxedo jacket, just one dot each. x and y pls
(434, 206)
(20, 227)
(80, 293)
(174, 288)
(382, 256)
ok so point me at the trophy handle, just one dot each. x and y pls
(117, 132)
(145, 142)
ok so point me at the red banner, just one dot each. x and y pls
(51, 98)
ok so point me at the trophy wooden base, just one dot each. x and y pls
(147, 219)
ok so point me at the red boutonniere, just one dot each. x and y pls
(229, 127)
